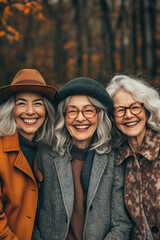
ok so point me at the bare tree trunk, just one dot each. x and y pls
(134, 35)
(109, 49)
(78, 23)
(152, 18)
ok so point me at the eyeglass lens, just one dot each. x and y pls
(88, 111)
(135, 109)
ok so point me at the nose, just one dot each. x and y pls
(128, 114)
(30, 109)
(80, 116)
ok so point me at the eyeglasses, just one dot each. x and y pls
(134, 108)
(88, 111)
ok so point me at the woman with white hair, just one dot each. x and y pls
(137, 134)
(82, 190)
(26, 121)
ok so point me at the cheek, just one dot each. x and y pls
(17, 112)
(42, 112)
(117, 121)
(68, 123)
(94, 123)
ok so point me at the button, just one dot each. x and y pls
(91, 207)
(154, 229)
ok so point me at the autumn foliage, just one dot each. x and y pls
(9, 9)
(64, 39)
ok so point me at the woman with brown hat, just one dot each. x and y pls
(26, 119)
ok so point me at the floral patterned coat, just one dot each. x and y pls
(142, 186)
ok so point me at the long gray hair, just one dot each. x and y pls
(142, 92)
(101, 139)
(8, 126)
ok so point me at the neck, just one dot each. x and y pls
(135, 143)
(81, 144)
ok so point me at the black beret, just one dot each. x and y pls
(84, 86)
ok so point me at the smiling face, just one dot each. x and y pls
(81, 129)
(29, 113)
(133, 126)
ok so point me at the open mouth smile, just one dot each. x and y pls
(81, 126)
(29, 121)
(131, 123)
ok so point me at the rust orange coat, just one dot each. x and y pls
(18, 192)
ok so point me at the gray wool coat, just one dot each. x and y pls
(105, 212)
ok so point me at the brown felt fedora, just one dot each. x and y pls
(27, 80)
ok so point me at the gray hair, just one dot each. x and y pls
(101, 139)
(8, 126)
(142, 92)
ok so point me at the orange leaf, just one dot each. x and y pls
(16, 36)
(10, 37)
(2, 33)
(3, 1)
(3, 20)
(69, 45)
(18, 6)
(7, 10)
(40, 15)
(10, 29)
(30, 4)
(26, 11)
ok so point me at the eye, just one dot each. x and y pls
(118, 110)
(38, 103)
(70, 110)
(88, 110)
(135, 106)
(19, 103)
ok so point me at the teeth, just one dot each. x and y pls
(29, 120)
(82, 127)
(131, 124)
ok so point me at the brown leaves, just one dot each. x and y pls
(9, 10)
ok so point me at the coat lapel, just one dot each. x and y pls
(133, 194)
(99, 165)
(11, 144)
(64, 171)
(22, 164)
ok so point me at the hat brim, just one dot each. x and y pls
(7, 91)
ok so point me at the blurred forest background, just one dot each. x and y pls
(64, 39)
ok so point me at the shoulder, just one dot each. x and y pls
(118, 170)
(46, 150)
(111, 156)
(45, 155)
(10, 143)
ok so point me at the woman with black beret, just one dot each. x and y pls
(82, 190)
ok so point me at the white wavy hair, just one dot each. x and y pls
(8, 126)
(101, 139)
(142, 92)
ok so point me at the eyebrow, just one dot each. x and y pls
(124, 106)
(23, 99)
(82, 107)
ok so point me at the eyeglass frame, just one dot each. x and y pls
(125, 108)
(81, 110)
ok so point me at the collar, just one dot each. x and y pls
(78, 153)
(26, 145)
(149, 148)
(11, 143)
